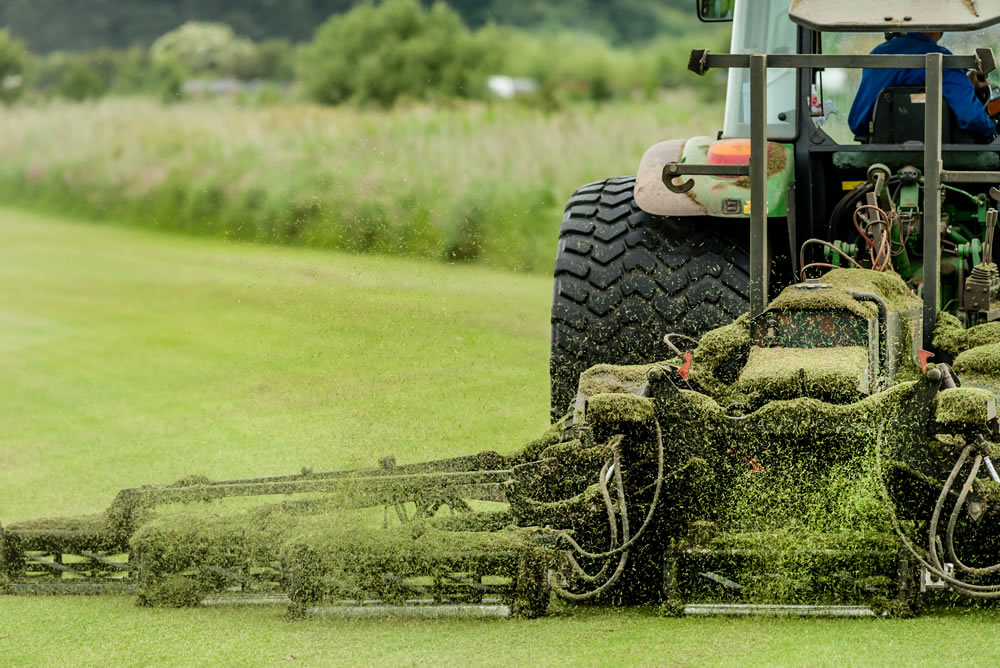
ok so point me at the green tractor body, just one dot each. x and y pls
(775, 365)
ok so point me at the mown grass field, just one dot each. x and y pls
(130, 357)
(466, 182)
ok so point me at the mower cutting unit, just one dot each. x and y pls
(807, 444)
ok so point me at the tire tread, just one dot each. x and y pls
(624, 278)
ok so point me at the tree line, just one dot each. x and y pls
(373, 54)
(58, 25)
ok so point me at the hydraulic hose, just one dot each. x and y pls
(939, 506)
(933, 533)
(991, 469)
(627, 540)
(649, 514)
(622, 561)
(845, 203)
(950, 537)
(612, 525)
(973, 591)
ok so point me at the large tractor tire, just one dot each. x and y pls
(624, 279)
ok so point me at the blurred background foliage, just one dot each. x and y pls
(370, 126)
(336, 51)
(51, 25)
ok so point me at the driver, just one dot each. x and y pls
(959, 90)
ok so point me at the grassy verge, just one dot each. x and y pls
(473, 182)
(132, 358)
(43, 631)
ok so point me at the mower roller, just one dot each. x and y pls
(742, 422)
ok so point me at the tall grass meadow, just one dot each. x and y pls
(464, 182)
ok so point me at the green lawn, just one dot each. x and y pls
(129, 358)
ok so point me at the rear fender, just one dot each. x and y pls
(711, 196)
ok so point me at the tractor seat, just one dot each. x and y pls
(899, 118)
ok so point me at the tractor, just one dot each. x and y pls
(639, 258)
(775, 363)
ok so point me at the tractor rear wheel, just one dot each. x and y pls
(624, 279)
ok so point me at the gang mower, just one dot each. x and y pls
(775, 366)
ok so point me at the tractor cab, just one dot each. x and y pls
(821, 101)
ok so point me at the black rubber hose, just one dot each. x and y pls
(649, 515)
(590, 595)
(986, 593)
(842, 205)
(953, 521)
(849, 200)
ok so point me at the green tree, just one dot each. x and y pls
(80, 82)
(378, 54)
(204, 48)
(167, 80)
(61, 25)
(13, 59)
(272, 60)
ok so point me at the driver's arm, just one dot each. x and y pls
(961, 96)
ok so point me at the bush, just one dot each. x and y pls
(271, 60)
(132, 73)
(379, 54)
(575, 67)
(80, 82)
(13, 58)
(166, 79)
(204, 48)
(80, 76)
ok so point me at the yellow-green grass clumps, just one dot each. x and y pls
(981, 361)
(976, 350)
(608, 379)
(183, 541)
(890, 287)
(619, 409)
(345, 561)
(183, 556)
(719, 356)
(612, 379)
(93, 523)
(836, 374)
(965, 405)
(838, 298)
(952, 338)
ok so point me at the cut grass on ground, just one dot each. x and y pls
(132, 358)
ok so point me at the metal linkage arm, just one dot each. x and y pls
(673, 170)
(970, 177)
(933, 166)
(702, 60)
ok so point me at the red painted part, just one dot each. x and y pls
(685, 370)
(924, 356)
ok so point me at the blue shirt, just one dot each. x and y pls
(958, 90)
